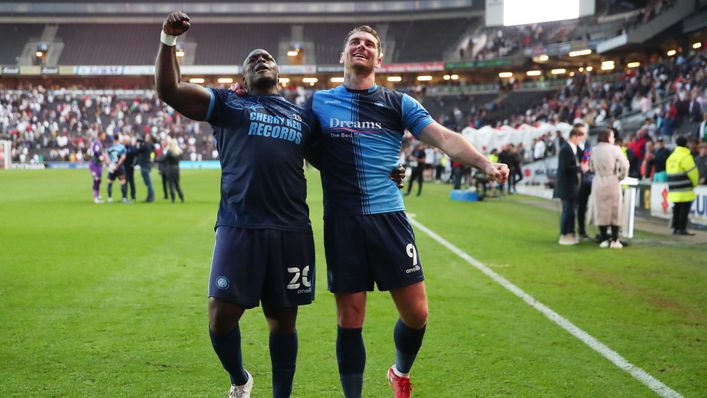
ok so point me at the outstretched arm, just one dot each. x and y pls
(460, 150)
(191, 100)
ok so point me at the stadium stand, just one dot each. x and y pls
(228, 44)
(168, 1)
(499, 42)
(417, 41)
(58, 125)
(102, 44)
(661, 90)
(328, 40)
(121, 44)
(36, 119)
(14, 37)
(46, 124)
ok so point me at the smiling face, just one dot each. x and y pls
(362, 51)
(260, 71)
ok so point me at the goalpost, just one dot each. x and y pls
(5, 154)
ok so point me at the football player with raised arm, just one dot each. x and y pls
(264, 250)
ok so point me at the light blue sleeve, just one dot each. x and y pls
(212, 103)
(415, 117)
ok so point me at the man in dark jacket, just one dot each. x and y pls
(569, 171)
(660, 155)
(145, 148)
(506, 156)
(130, 154)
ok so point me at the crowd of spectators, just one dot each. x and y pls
(671, 92)
(499, 42)
(649, 12)
(49, 125)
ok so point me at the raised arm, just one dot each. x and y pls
(460, 150)
(191, 100)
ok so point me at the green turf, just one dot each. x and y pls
(110, 300)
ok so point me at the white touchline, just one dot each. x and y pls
(641, 375)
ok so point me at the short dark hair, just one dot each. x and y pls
(576, 131)
(367, 29)
(681, 141)
(603, 135)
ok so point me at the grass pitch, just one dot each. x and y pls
(110, 300)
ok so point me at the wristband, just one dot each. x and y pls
(168, 40)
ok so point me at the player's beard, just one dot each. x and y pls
(361, 69)
(263, 83)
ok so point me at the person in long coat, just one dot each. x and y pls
(610, 166)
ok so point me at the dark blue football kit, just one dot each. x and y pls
(264, 249)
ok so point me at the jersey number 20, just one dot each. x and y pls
(305, 277)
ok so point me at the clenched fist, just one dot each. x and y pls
(497, 172)
(176, 23)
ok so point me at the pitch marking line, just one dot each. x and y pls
(641, 375)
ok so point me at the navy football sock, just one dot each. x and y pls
(124, 191)
(228, 349)
(351, 354)
(407, 344)
(110, 190)
(283, 356)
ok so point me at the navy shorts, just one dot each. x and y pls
(263, 265)
(119, 171)
(376, 248)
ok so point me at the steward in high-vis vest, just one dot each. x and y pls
(682, 179)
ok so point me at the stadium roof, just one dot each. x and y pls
(233, 11)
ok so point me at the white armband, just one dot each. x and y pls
(168, 40)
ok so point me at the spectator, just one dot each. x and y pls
(701, 163)
(660, 155)
(701, 132)
(585, 188)
(648, 165)
(610, 167)
(145, 149)
(130, 156)
(417, 162)
(539, 149)
(695, 108)
(569, 171)
(558, 142)
(506, 157)
(174, 153)
(161, 157)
